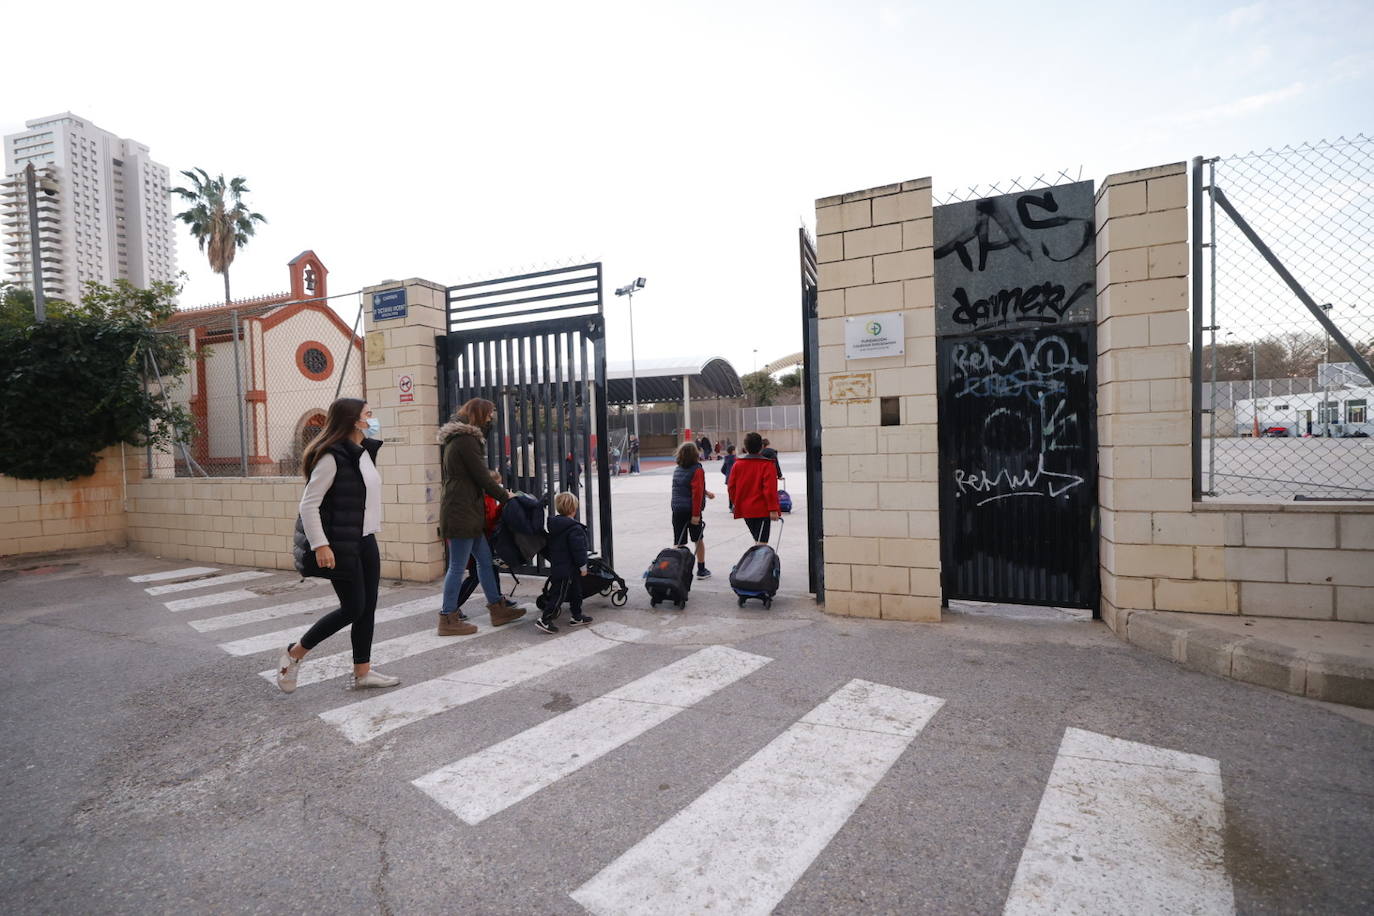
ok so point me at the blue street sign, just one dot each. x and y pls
(389, 304)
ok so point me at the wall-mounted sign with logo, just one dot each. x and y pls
(870, 336)
(406, 385)
(389, 304)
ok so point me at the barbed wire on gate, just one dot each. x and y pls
(1009, 186)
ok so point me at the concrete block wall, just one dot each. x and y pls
(38, 516)
(1160, 550)
(882, 548)
(245, 521)
(409, 462)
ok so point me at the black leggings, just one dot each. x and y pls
(357, 604)
(760, 528)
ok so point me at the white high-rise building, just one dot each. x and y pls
(103, 208)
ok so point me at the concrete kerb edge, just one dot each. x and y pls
(1316, 675)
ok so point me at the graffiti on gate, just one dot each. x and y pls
(1031, 379)
(1014, 261)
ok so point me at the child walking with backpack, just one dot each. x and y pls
(567, 552)
(688, 501)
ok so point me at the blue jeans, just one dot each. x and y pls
(459, 549)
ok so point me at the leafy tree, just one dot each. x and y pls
(74, 384)
(760, 388)
(791, 379)
(220, 222)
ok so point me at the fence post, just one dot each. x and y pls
(238, 391)
(398, 348)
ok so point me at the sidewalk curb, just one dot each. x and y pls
(1327, 676)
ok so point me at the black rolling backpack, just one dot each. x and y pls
(758, 573)
(669, 577)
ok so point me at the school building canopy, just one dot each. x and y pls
(661, 380)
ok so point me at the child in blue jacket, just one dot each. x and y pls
(567, 552)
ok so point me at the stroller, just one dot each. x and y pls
(599, 580)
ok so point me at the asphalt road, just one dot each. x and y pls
(147, 769)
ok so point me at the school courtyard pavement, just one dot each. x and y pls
(717, 759)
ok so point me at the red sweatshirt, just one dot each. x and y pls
(753, 486)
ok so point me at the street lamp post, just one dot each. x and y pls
(628, 291)
(1326, 381)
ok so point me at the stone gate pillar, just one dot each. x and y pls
(882, 508)
(401, 321)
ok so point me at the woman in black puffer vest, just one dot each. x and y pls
(341, 512)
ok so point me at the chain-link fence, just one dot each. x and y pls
(1287, 316)
(258, 388)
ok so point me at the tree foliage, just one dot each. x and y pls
(1294, 354)
(760, 388)
(791, 379)
(220, 222)
(74, 384)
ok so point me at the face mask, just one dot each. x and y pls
(486, 427)
(374, 428)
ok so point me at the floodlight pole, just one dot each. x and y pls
(1326, 381)
(628, 291)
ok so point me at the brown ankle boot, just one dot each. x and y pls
(450, 625)
(502, 613)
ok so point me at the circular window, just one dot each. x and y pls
(314, 360)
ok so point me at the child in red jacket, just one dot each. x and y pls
(753, 485)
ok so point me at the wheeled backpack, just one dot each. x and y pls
(758, 573)
(669, 577)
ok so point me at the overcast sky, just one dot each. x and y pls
(681, 143)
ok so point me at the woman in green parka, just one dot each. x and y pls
(462, 517)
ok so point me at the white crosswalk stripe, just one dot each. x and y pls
(741, 846)
(208, 582)
(315, 670)
(361, 722)
(199, 601)
(227, 621)
(540, 756)
(1125, 828)
(174, 574)
(266, 642)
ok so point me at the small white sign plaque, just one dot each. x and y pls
(870, 336)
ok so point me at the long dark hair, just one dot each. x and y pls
(342, 420)
(475, 412)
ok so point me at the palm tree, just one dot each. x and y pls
(219, 220)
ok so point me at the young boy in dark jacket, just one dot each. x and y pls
(567, 553)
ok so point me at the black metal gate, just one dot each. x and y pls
(1016, 362)
(811, 418)
(544, 367)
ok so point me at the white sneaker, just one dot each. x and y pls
(287, 669)
(373, 678)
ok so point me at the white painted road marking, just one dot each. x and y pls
(365, 720)
(540, 756)
(174, 574)
(315, 670)
(269, 642)
(229, 597)
(741, 846)
(1125, 828)
(209, 582)
(304, 606)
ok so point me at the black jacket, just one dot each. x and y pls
(341, 512)
(567, 548)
